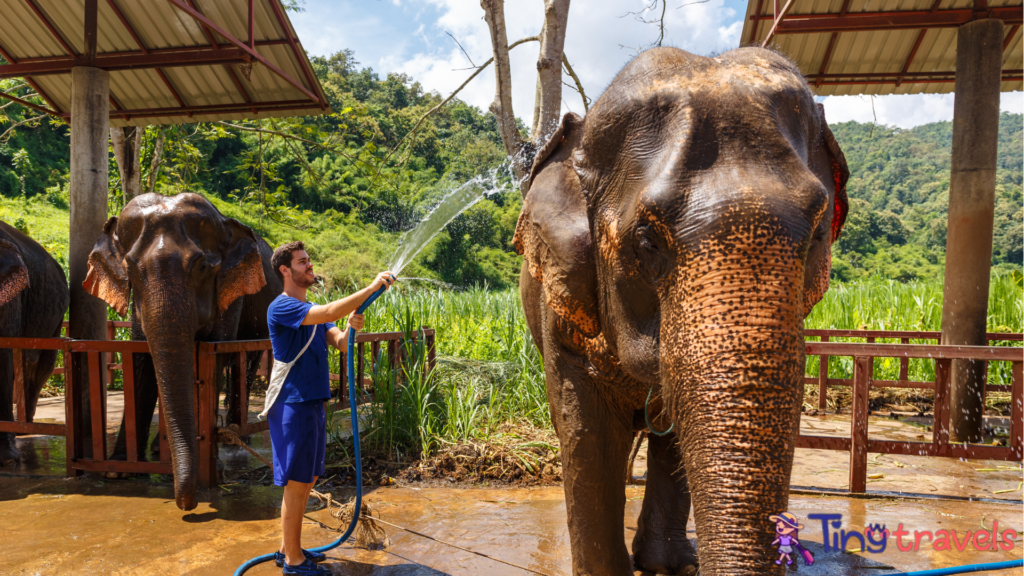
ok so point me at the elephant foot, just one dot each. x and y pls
(9, 452)
(678, 559)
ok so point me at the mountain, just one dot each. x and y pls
(348, 184)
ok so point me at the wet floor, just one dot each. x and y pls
(88, 526)
(91, 525)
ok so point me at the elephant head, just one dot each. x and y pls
(683, 232)
(182, 265)
(13, 272)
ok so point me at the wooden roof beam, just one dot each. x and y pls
(49, 26)
(195, 57)
(53, 105)
(242, 45)
(291, 40)
(142, 47)
(906, 20)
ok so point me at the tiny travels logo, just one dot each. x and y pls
(787, 534)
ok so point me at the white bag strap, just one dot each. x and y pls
(308, 342)
(278, 374)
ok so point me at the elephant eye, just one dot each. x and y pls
(645, 238)
(652, 260)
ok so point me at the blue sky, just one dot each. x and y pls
(410, 36)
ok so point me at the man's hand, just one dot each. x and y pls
(385, 279)
(355, 322)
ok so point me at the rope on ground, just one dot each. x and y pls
(369, 534)
(439, 541)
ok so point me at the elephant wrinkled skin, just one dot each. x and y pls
(189, 274)
(34, 296)
(674, 241)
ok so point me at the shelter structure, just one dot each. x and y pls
(970, 47)
(102, 63)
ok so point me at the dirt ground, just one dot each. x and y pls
(91, 525)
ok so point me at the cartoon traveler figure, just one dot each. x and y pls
(787, 530)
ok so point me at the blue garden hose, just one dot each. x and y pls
(355, 441)
(965, 569)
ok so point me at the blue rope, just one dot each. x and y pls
(964, 569)
(648, 420)
(355, 441)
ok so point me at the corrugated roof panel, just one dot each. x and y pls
(874, 52)
(23, 34)
(160, 25)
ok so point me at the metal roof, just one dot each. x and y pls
(880, 46)
(170, 61)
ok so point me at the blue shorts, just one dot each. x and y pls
(298, 435)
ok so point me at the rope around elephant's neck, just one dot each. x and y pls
(369, 535)
(648, 419)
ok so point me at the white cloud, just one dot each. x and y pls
(410, 36)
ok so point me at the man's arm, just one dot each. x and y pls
(338, 338)
(322, 314)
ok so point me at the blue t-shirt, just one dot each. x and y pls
(309, 378)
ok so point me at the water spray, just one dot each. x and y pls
(355, 442)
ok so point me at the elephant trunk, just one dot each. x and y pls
(732, 372)
(172, 346)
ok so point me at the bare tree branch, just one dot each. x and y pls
(494, 14)
(4, 136)
(464, 53)
(548, 101)
(579, 85)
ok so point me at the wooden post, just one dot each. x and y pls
(1017, 410)
(859, 425)
(206, 416)
(940, 414)
(243, 390)
(823, 379)
(904, 376)
(19, 384)
(72, 417)
(130, 425)
(359, 367)
(97, 406)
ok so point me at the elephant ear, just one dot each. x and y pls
(241, 270)
(13, 272)
(840, 174)
(106, 278)
(553, 232)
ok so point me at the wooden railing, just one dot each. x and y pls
(101, 370)
(870, 337)
(863, 358)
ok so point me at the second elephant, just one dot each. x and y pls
(188, 274)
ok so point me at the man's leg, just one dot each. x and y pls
(293, 506)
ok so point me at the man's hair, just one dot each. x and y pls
(283, 257)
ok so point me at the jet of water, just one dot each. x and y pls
(453, 204)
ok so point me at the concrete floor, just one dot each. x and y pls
(91, 525)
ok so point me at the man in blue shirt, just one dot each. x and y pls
(300, 333)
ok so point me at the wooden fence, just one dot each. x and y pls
(101, 369)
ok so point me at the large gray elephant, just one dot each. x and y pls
(674, 241)
(34, 296)
(189, 274)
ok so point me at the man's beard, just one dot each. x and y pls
(301, 280)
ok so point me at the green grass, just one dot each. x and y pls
(489, 372)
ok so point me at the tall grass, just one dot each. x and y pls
(490, 373)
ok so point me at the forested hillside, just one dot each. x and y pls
(899, 196)
(351, 182)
